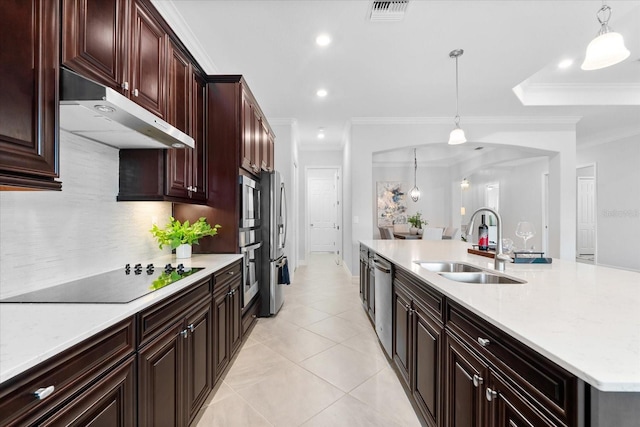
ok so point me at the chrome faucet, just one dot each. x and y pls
(500, 259)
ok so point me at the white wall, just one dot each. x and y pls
(51, 237)
(617, 200)
(285, 159)
(520, 198)
(311, 159)
(557, 136)
(435, 192)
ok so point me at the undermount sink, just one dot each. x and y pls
(480, 277)
(447, 267)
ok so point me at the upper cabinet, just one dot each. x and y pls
(229, 94)
(29, 95)
(121, 44)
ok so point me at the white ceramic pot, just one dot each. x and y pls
(420, 231)
(183, 251)
(413, 230)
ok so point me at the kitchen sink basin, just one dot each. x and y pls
(480, 277)
(447, 267)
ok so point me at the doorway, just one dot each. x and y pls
(324, 209)
(586, 214)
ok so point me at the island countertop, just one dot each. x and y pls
(583, 317)
(33, 332)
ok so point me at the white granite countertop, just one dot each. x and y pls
(31, 333)
(583, 317)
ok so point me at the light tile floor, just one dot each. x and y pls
(317, 363)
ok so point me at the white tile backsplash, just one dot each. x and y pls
(50, 237)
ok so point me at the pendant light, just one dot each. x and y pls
(415, 191)
(607, 48)
(457, 134)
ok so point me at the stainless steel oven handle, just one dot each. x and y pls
(381, 267)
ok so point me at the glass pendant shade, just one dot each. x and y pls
(415, 194)
(457, 137)
(605, 50)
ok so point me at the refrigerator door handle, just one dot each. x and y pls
(283, 212)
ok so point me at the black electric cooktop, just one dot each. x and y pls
(114, 287)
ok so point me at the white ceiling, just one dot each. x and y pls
(402, 69)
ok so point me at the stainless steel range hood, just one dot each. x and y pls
(106, 116)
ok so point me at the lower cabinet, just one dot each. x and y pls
(174, 371)
(227, 315)
(417, 350)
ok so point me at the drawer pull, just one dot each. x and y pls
(230, 273)
(477, 380)
(44, 392)
(491, 394)
(184, 333)
(191, 328)
(483, 342)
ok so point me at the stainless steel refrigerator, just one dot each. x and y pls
(274, 237)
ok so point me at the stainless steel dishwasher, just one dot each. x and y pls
(383, 301)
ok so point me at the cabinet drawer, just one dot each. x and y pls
(158, 317)
(430, 299)
(547, 384)
(225, 276)
(68, 372)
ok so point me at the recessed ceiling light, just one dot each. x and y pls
(320, 135)
(321, 93)
(565, 63)
(323, 40)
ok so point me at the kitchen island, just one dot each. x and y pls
(62, 361)
(583, 318)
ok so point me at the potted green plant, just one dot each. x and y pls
(416, 222)
(180, 236)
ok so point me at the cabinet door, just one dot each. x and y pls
(364, 275)
(465, 377)
(29, 96)
(256, 128)
(198, 154)
(148, 60)
(110, 402)
(161, 379)
(220, 331)
(402, 329)
(235, 316)
(509, 409)
(427, 365)
(198, 359)
(94, 39)
(246, 141)
(271, 142)
(371, 303)
(179, 168)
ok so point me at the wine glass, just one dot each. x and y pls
(525, 230)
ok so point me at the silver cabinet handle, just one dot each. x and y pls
(230, 273)
(125, 85)
(135, 92)
(477, 380)
(191, 328)
(44, 392)
(483, 342)
(491, 394)
(184, 333)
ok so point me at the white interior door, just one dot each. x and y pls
(322, 197)
(586, 232)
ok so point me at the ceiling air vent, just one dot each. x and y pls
(388, 11)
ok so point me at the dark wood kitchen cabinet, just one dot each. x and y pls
(227, 316)
(364, 276)
(231, 92)
(122, 44)
(29, 137)
(174, 357)
(91, 381)
(515, 385)
(417, 345)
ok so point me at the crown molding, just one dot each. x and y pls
(561, 94)
(174, 18)
(479, 120)
(607, 137)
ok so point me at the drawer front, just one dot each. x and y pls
(427, 297)
(68, 372)
(160, 316)
(534, 375)
(225, 276)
